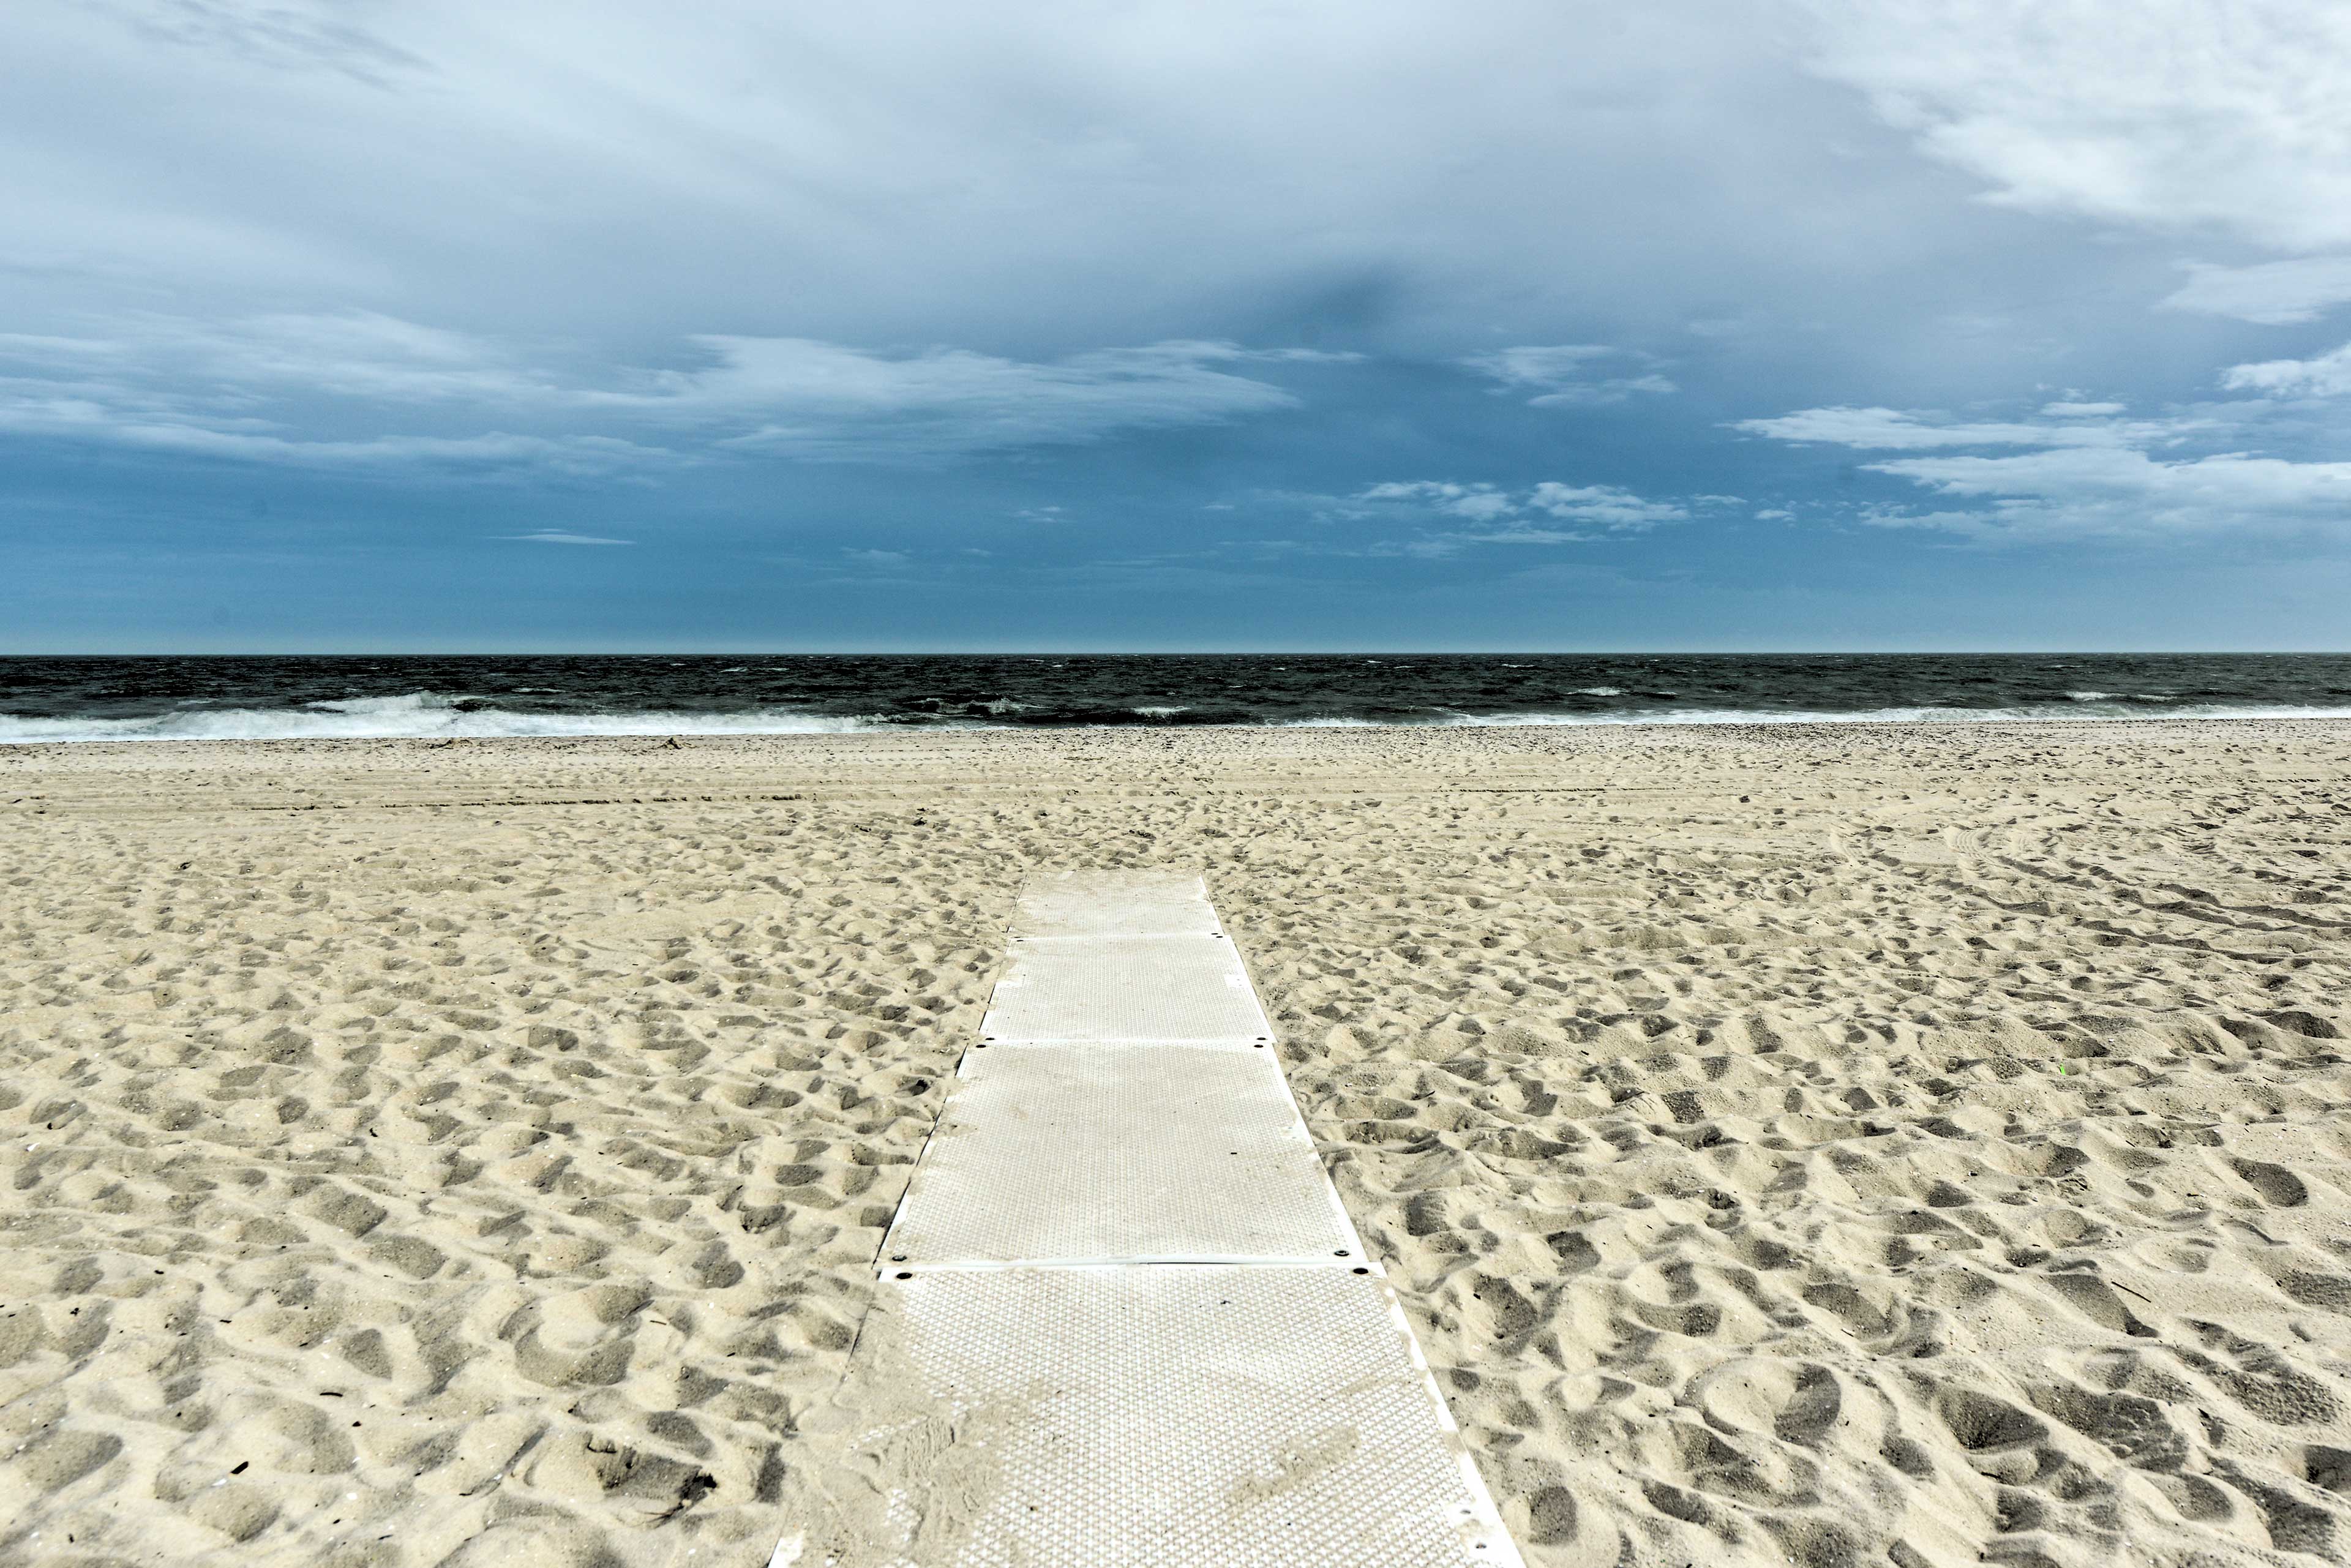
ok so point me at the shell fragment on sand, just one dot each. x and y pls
(1122, 989)
(1146, 1153)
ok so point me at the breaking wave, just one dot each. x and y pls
(423, 716)
(434, 698)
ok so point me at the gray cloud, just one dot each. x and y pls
(1013, 178)
(274, 33)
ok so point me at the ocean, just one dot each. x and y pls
(325, 697)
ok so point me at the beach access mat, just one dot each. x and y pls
(1174, 1417)
(1145, 1153)
(1122, 1320)
(1115, 904)
(1093, 989)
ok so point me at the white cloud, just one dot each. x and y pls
(1485, 506)
(2166, 114)
(823, 400)
(1479, 503)
(2085, 492)
(252, 390)
(2274, 293)
(2326, 375)
(112, 415)
(244, 388)
(351, 353)
(1495, 516)
(2090, 474)
(878, 557)
(558, 536)
(1564, 375)
(1885, 429)
(1610, 505)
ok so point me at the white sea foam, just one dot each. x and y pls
(419, 716)
(1600, 691)
(441, 715)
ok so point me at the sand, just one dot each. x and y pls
(1818, 1144)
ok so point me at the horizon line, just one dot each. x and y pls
(755, 653)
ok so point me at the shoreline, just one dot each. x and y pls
(720, 726)
(884, 729)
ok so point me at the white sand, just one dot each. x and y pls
(1835, 1145)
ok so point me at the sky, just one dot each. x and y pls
(413, 325)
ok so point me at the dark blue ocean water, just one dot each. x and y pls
(52, 699)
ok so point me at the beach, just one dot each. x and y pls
(1821, 1143)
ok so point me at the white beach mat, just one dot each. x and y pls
(1158, 1417)
(1146, 1153)
(1115, 904)
(1122, 1320)
(1089, 989)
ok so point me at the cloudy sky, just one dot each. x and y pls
(385, 324)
